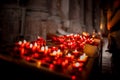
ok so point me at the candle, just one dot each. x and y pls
(59, 53)
(54, 48)
(38, 63)
(22, 51)
(35, 55)
(64, 63)
(46, 50)
(69, 56)
(42, 48)
(83, 58)
(23, 43)
(20, 42)
(27, 45)
(51, 66)
(62, 46)
(75, 52)
(54, 53)
(34, 48)
(77, 64)
(27, 58)
(73, 77)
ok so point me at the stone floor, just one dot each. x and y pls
(106, 62)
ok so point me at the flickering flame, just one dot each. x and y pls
(38, 37)
(35, 44)
(42, 48)
(67, 35)
(75, 35)
(68, 55)
(101, 26)
(77, 64)
(54, 53)
(75, 50)
(93, 35)
(99, 33)
(24, 41)
(84, 33)
(20, 42)
(46, 47)
(58, 50)
(39, 63)
(83, 57)
(71, 34)
(31, 45)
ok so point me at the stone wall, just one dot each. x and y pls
(9, 23)
(34, 18)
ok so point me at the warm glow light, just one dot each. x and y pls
(46, 47)
(20, 42)
(31, 45)
(75, 52)
(35, 55)
(71, 34)
(75, 35)
(83, 58)
(68, 55)
(64, 54)
(38, 63)
(77, 64)
(73, 77)
(28, 58)
(93, 35)
(24, 41)
(38, 37)
(42, 48)
(84, 33)
(67, 35)
(99, 33)
(35, 44)
(101, 26)
(59, 52)
(51, 66)
(54, 53)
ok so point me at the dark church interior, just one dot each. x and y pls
(58, 39)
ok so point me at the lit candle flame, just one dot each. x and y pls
(54, 53)
(20, 42)
(83, 57)
(46, 47)
(42, 48)
(31, 45)
(24, 41)
(68, 55)
(35, 44)
(77, 64)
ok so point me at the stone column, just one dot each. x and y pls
(65, 12)
(74, 10)
(43, 34)
(53, 7)
(82, 14)
(23, 10)
(89, 16)
(97, 15)
(55, 17)
(65, 8)
(74, 15)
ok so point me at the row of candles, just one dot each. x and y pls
(74, 41)
(67, 56)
